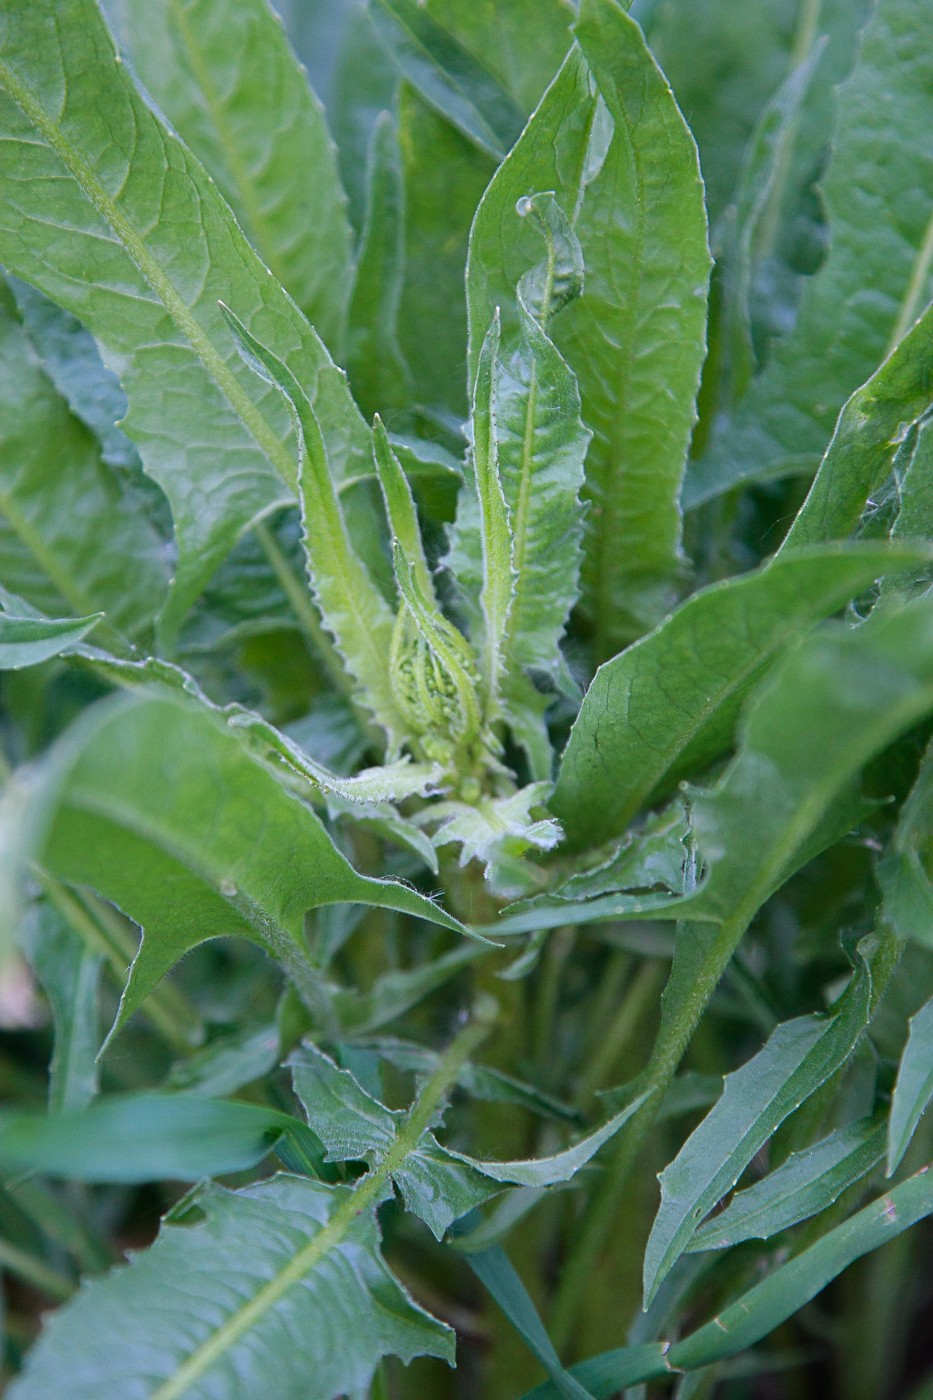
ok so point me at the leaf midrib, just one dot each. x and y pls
(253, 420)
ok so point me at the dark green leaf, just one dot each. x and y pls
(768, 1304)
(218, 1304)
(70, 975)
(141, 1137)
(806, 1183)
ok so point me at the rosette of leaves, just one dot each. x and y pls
(418, 573)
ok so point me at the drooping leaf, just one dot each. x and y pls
(141, 1137)
(447, 75)
(154, 803)
(352, 608)
(113, 193)
(69, 972)
(28, 641)
(843, 330)
(375, 363)
(669, 704)
(70, 541)
(806, 1183)
(782, 1293)
(211, 66)
(914, 1088)
(799, 1056)
(219, 1303)
(639, 324)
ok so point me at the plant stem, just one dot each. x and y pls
(167, 1008)
(670, 1045)
(365, 1196)
(34, 1272)
(617, 1035)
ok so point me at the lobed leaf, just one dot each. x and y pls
(211, 66)
(124, 228)
(799, 1056)
(219, 1303)
(914, 1087)
(876, 278)
(154, 803)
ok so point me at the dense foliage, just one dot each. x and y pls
(467, 652)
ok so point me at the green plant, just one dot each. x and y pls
(493, 767)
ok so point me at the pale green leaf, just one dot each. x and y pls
(71, 541)
(635, 339)
(668, 705)
(123, 227)
(69, 972)
(30, 640)
(375, 363)
(217, 1305)
(401, 512)
(784, 1292)
(877, 276)
(805, 1184)
(352, 608)
(159, 807)
(213, 67)
(914, 1088)
(141, 1137)
(799, 1056)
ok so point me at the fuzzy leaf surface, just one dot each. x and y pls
(124, 228)
(211, 65)
(214, 1308)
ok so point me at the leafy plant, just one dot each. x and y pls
(467, 678)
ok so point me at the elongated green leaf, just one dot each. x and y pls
(669, 704)
(123, 227)
(784, 1292)
(842, 332)
(604, 1375)
(639, 324)
(28, 641)
(839, 698)
(914, 1088)
(69, 972)
(498, 1274)
(218, 1304)
(227, 1063)
(799, 1056)
(542, 443)
(805, 1184)
(155, 804)
(211, 65)
(70, 541)
(394, 993)
(400, 509)
(481, 556)
(141, 1137)
(375, 363)
(915, 513)
(447, 75)
(351, 606)
(870, 430)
